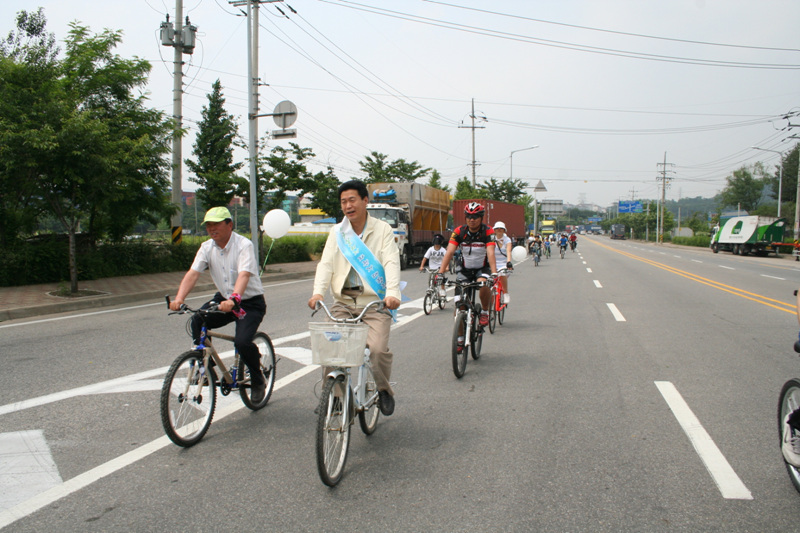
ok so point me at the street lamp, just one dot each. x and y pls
(780, 176)
(511, 159)
(539, 188)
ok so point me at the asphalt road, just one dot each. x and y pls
(631, 388)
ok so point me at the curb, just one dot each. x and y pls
(113, 300)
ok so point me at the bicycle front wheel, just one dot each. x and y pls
(501, 313)
(333, 432)
(267, 361)
(459, 350)
(789, 402)
(477, 336)
(368, 417)
(427, 303)
(188, 399)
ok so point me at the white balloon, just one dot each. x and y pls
(518, 254)
(276, 223)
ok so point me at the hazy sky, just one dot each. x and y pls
(603, 87)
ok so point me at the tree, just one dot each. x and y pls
(744, 188)
(465, 190)
(789, 186)
(324, 187)
(214, 169)
(508, 190)
(436, 181)
(698, 222)
(27, 72)
(100, 153)
(286, 172)
(378, 170)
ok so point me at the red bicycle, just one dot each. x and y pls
(497, 309)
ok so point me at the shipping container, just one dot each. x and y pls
(512, 215)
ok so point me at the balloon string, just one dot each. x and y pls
(267, 258)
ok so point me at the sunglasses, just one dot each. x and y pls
(473, 217)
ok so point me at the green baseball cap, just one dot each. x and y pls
(217, 214)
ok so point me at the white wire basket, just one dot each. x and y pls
(335, 344)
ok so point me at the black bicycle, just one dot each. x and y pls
(467, 331)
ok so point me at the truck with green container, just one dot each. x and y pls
(750, 235)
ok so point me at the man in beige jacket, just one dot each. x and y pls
(351, 292)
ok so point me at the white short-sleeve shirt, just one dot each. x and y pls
(435, 257)
(224, 265)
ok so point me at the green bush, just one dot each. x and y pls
(701, 241)
(293, 248)
(45, 260)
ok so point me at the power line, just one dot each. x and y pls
(555, 44)
(616, 32)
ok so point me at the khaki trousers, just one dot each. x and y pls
(377, 340)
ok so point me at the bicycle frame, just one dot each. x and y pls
(361, 403)
(467, 300)
(498, 297)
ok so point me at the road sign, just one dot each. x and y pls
(630, 207)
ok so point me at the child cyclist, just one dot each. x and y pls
(434, 256)
(502, 256)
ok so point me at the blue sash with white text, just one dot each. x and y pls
(361, 258)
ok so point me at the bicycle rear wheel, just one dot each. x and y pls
(368, 417)
(267, 360)
(459, 350)
(477, 335)
(789, 402)
(188, 399)
(333, 432)
(427, 303)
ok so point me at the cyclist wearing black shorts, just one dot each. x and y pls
(477, 254)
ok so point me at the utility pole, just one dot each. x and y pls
(473, 127)
(252, 115)
(661, 208)
(182, 40)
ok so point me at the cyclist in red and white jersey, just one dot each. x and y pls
(477, 254)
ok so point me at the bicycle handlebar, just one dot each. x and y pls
(213, 308)
(378, 304)
(465, 285)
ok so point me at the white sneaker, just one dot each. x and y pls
(506, 298)
(791, 444)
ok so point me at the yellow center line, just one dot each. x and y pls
(758, 298)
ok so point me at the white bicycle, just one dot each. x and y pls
(341, 345)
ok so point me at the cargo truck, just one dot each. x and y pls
(547, 227)
(415, 211)
(750, 234)
(512, 215)
(617, 231)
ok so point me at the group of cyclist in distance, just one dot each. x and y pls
(541, 245)
(230, 259)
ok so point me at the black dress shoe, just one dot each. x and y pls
(257, 391)
(386, 402)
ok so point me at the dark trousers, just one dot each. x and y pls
(246, 328)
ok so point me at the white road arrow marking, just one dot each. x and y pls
(26, 467)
